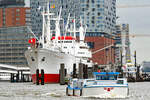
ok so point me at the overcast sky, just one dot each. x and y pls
(139, 21)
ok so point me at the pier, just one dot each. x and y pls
(14, 74)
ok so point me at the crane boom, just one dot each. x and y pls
(132, 6)
(102, 48)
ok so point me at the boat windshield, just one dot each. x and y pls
(106, 77)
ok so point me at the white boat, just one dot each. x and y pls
(52, 51)
(104, 85)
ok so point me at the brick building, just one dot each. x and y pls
(103, 49)
(14, 16)
(14, 35)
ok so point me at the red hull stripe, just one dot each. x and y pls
(64, 38)
(48, 78)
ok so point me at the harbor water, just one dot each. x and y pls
(29, 91)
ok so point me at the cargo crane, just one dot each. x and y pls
(133, 6)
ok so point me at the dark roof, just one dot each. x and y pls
(11, 2)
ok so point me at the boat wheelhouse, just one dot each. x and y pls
(103, 85)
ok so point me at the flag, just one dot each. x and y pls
(32, 41)
(73, 21)
(53, 6)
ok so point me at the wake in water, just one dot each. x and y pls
(107, 96)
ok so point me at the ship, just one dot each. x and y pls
(103, 85)
(50, 51)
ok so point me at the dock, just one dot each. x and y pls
(14, 73)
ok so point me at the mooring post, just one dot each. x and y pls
(138, 73)
(12, 77)
(80, 71)
(42, 76)
(21, 76)
(28, 78)
(65, 72)
(85, 71)
(121, 65)
(17, 77)
(95, 68)
(74, 71)
(37, 77)
(62, 74)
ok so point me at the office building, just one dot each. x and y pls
(122, 43)
(14, 35)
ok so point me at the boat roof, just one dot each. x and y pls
(106, 73)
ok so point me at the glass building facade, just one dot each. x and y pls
(13, 44)
(37, 7)
(98, 15)
(11, 2)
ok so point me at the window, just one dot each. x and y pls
(98, 5)
(93, 9)
(17, 10)
(17, 18)
(92, 22)
(91, 44)
(98, 13)
(92, 1)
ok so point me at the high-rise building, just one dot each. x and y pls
(98, 15)
(37, 7)
(68, 6)
(14, 16)
(14, 35)
(122, 42)
(100, 18)
(12, 3)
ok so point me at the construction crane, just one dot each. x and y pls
(134, 35)
(132, 6)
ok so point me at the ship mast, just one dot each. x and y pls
(58, 26)
(43, 29)
(46, 35)
(66, 27)
(74, 35)
(48, 24)
(82, 31)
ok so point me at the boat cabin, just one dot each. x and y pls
(106, 75)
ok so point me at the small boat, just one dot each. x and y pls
(103, 85)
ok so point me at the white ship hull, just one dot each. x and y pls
(49, 61)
